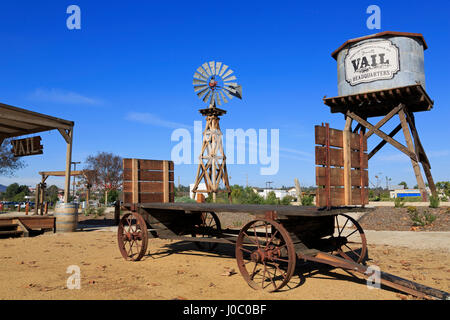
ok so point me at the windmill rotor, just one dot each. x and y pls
(214, 82)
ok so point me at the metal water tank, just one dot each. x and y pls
(380, 61)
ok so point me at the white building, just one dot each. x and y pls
(280, 194)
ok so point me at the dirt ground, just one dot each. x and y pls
(35, 268)
(398, 219)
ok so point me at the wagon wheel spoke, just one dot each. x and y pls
(270, 270)
(354, 249)
(208, 228)
(132, 236)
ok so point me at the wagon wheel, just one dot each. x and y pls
(209, 226)
(350, 243)
(265, 255)
(132, 236)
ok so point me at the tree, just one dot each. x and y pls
(8, 163)
(444, 187)
(107, 171)
(15, 192)
(51, 194)
(403, 183)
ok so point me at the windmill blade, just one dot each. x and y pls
(205, 66)
(198, 88)
(202, 72)
(226, 74)
(230, 79)
(224, 67)
(212, 66)
(230, 84)
(229, 89)
(227, 94)
(206, 97)
(218, 98)
(202, 93)
(223, 97)
(197, 81)
(200, 76)
(218, 65)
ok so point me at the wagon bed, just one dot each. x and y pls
(257, 209)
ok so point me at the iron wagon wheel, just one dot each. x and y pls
(209, 226)
(350, 242)
(265, 255)
(132, 236)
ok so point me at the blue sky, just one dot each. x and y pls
(138, 58)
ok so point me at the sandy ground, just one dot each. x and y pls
(35, 268)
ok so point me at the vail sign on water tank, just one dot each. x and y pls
(371, 61)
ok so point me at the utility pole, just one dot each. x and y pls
(268, 184)
(74, 169)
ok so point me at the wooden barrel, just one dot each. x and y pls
(66, 215)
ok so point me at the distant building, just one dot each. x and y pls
(263, 192)
(201, 186)
(405, 193)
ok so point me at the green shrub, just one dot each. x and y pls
(444, 199)
(185, 199)
(421, 219)
(411, 210)
(287, 200)
(100, 211)
(434, 201)
(307, 200)
(89, 211)
(399, 202)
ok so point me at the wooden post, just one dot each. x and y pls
(166, 181)
(415, 162)
(117, 212)
(42, 197)
(347, 161)
(69, 141)
(36, 199)
(46, 207)
(135, 180)
(88, 191)
(27, 208)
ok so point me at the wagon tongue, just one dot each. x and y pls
(387, 279)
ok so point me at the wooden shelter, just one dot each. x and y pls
(40, 187)
(16, 122)
(401, 101)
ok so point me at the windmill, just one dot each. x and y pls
(214, 84)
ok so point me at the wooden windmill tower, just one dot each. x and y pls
(214, 82)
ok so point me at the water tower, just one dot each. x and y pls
(382, 75)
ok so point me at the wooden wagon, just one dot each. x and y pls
(267, 248)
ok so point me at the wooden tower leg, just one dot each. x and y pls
(415, 162)
(421, 153)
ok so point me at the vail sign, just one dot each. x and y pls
(27, 147)
(371, 61)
